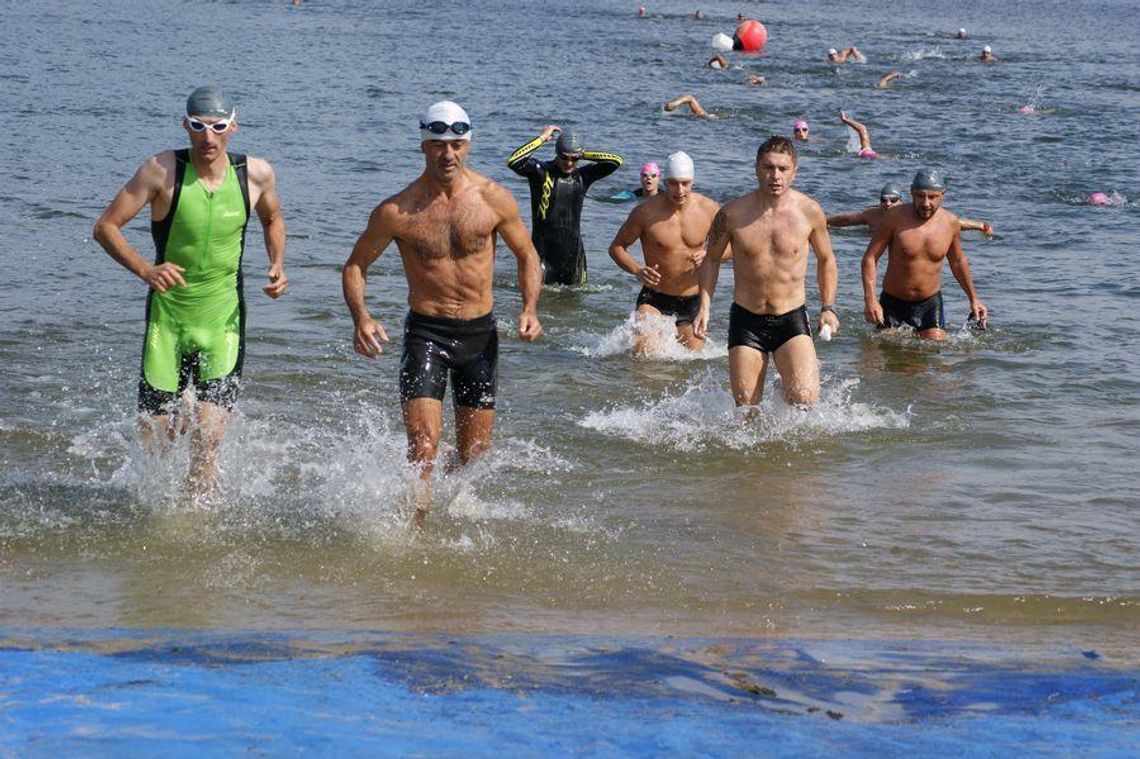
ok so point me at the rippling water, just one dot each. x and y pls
(981, 488)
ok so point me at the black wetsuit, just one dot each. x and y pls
(556, 209)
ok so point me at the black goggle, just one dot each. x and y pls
(890, 199)
(440, 127)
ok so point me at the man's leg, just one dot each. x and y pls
(746, 369)
(799, 370)
(686, 337)
(473, 431)
(934, 333)
(205, 445)
(423, 420)
(642, 340)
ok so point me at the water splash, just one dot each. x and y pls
(912, 56)
(660, 333)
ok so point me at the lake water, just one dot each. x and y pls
(983, 489)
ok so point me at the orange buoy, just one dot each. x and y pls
(750, 36)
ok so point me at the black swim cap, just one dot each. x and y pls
(209, 102)
(928, 179)
(569, 143)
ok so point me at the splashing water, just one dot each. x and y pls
(660, 335)
(913, 56)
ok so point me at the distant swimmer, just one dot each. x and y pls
(886, 81)
(698, 15)
(987, 55)
(757, 80)
(672, 228)
(889, 197)
(801, 132)
(444, 225)
(718, 61)
(865, 149)
(847, 54)
(919, 237)
(962, 33)
(557, 191)
(200, 200)
(694, 106)
(650, 175)
(770, 230)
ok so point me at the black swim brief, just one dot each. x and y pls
(683, 308)
(435, 346)
(765, 332)
(920, 314)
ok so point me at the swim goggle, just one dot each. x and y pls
(570, 157)
(890, 200)
(218, 127)
(459, 128)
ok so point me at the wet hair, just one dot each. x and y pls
(778, 144)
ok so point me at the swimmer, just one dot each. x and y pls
(889, 197)
(445, 224)
(757, 80)
(557, 192)
(694, 106)
(852, 53)
(885, 82)
(650, 175)
(1098, 199)
(672, 227)
(718, 61)
(865, 149)
(962, 33)
(697, 15)
(770, 230)
(200, 201)
(801, 132)
(987, 55)
(919, 237)
(641, 11)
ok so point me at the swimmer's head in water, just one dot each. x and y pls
(890, 194)
(929, 180)
(651, 169)
(569, 145)
(209, 102)
(446, 121)
(800, 130)
(1098, 199)
(962, 33)
(987, 50)
(832, 52)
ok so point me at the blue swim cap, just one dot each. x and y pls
(569, 143)
(890, 190)
(209, 102)
(928, 179)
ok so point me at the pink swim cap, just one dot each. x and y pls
(799, 124)
(1025, 109)
(651, 168)
(868, 153)
(1098, 199)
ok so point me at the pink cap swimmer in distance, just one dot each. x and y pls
(651, 168)
(799, 124)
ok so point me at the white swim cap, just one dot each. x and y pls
(832, 51)
(679, 166)
(987, 49)
(722, 42)
(445, 120)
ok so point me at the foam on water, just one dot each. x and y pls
(912, 56)
(661, 339)
(703, 416)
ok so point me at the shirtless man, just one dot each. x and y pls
(200, 200)
(852, 53)
(444, 224)
(672, 228)
(919, 236)
(695, 106)
(770, 230)
(889, 197)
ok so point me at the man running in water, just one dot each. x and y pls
(889, 197)
(672, 228)
(919, 237)
(444, 224)
(557, 189)
(770, 230)
(199, 199)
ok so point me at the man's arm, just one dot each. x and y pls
(960, 266)
(520, 161)
(850, 219)
(976, 226)
(142, 189)
(627, 235)
(826, 271)
(513, 232)
(872, 309)
(709, 271)
(603, 165)
(372, 242)
(272, 225)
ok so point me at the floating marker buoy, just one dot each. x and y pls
(722, 42)
(750, 36)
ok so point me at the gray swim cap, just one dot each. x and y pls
(209, 102)
(890, 190)
(928, 179)
(569, 143)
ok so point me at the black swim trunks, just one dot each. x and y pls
(765, 332)
(683, 308)
(920, 314)
(435, 346)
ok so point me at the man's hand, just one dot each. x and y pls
(162, 277)
(829, 318)
(701, 324)
(649, 275)
(529, 326)
(979, 311)
(873, 312)
(278, 282)
(368, 337)
(549, 131)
